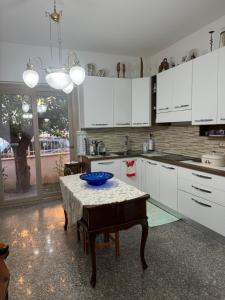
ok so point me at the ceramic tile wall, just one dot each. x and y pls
(173, 139)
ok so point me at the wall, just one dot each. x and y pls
(198, 40)
(13, 59)
(172, 139)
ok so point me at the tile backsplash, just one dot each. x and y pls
(173, 139)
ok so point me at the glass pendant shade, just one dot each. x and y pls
(68, 89)
(42, 108)
(58, 80)
(77, 74)
(30, 77)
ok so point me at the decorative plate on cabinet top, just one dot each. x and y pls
(96, 178)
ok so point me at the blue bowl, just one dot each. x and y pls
(96, 178)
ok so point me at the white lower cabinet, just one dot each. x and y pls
(168, 185)
(112, 166)
(152, 179)
(202, 211)
(135, 180)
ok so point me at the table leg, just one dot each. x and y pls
(66, 220)
(143, 242)
(92, 237)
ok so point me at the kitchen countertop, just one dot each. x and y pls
(167, 158)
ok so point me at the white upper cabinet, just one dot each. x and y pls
(221, 87)
(205, 89)
(182, 82)
(97, 102)
(141, 102)
(164, 91)
(122, 102)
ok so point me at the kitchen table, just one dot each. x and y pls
(111, 207)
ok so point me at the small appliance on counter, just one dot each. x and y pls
(214, 159)
(81, 142)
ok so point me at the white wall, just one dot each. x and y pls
(198, 40)
(13, 58)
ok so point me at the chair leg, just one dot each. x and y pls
(117, 243)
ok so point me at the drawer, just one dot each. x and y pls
(201, 190)
(209, 180)
(202, 211)
(110, 165)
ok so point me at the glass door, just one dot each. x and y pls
(17, 151)
(53, 135)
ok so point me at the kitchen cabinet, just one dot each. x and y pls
(165, 86)
(221, 87)
(202, 211)
(153, 179)
(136, 180)
(168, 185)
(205, 89)
(109, 165)
(174, 94)
(122, 102)
(97, 102)
(141, 102)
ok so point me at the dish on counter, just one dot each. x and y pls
(96, 178)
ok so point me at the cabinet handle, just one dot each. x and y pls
(99, 124)
(169, 168)
(201, 190)
(204, 120)
(165, 108)
(136, 123)
(122, 123)
(106, 163)
(153, 164)
(201, 203)
(181, 106)
(222, 119)
(201, 176)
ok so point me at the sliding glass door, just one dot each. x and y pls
(34, 143)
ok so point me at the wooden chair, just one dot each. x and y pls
(4, 272)
(109, 239)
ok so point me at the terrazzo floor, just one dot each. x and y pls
(47, 264)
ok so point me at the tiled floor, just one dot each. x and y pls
(47, 264)
(157, 216)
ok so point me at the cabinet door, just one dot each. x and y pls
(136, 180)
(204, 95)
(122, 102)
(164, 91)
(141, 102)
(98, 102)
(152, 183)
(221, 87)
(182, 77)
(112, 166)
(168, 185)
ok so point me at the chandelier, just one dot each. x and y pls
(62, 77)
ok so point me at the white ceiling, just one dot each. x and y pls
(129, 27)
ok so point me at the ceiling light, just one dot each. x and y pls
(58, 79)
(77, 74)
(68, 89)
(30, 76)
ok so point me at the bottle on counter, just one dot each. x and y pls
(151, 145)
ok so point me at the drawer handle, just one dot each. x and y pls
(181, 106)
(204, 120)
(201, 190)
(153, 164)
(106, 163)
(166, 108)
(201, 176)
(169, 168)
(99, 124)
(201, 203)
(222, 119)
(122, 123)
